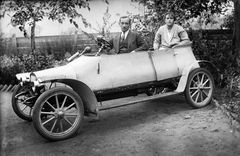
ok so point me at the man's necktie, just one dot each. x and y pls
(122, 37)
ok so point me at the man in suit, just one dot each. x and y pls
(127, 41)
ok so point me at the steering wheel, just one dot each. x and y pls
(102, 43)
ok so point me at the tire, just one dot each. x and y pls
(21, 108)
(200, 87)
(58, 114)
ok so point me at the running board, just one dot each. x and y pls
(157, 96)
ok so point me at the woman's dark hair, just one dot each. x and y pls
(170, 14)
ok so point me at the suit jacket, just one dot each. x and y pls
(135, 42)
(178, 34)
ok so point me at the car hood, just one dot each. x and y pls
(52, 73)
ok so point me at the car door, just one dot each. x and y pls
(165, 64)
(127, 69)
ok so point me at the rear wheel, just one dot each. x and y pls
(58, 113)
(23, 101)
(200, 87)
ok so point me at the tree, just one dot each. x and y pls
(29, 12)
(236, 32)
(183, 9)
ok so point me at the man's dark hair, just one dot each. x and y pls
(125, 17)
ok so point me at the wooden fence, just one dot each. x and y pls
(212, 34)
(71, 43)
(61, 42)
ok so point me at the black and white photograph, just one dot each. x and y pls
(120, 77)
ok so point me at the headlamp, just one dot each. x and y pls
(24, 80)
(33, 77)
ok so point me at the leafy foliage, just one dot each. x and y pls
(228, 22)
(60, 10)
(217, 51)
(33, 11)
(183, 9)
(104, 29)
(11, 65)
(139, 26)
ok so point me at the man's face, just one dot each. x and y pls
(124, 24)
(169, 20)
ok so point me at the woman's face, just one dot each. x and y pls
(169, 20)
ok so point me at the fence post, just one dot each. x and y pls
(75, 42)
(14, 43)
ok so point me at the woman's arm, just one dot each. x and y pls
(157, 40)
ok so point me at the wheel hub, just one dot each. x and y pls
(59, 114)
(200, 86)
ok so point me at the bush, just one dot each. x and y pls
(50, 54)
(11, 65)
(219, 52)
(58, 48)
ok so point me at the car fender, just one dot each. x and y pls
(214, 70)
(184, 78)
(85, 93)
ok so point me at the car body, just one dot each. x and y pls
(54, 94)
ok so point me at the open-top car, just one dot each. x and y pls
(57, 99)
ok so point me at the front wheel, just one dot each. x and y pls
(200, 87)
(58, 113)
(23, 102)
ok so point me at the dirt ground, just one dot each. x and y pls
(163, 127)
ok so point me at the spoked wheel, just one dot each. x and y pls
(23, 102)
(58, 113)
(200, 87)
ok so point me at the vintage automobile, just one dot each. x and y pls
(57, 99)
